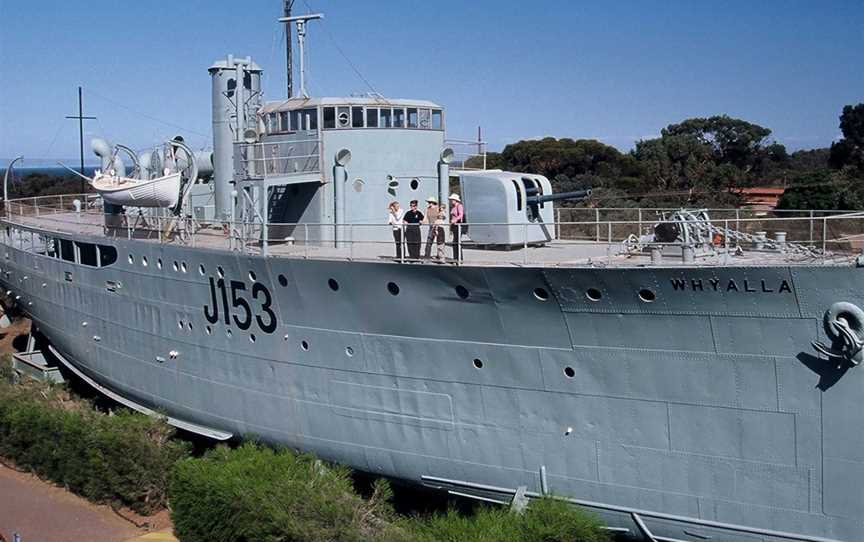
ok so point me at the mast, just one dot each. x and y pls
(81, 118)
(289, 62)
(301, 40)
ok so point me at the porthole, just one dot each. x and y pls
(478, 363)
(180, 324)
(228, 333)
(176, 266)
(285, 337)
(201, 270)
(220, 272)
(252, 276)
(304, 346)
(183, 267)
(647, 295)
(541, 294)
(131, 259)
(252, 338)
(349, 351)
(569, 372)
(159, 263)
(415, 184)
(189, 325)
(358, 185)
(283, 281)
(393, 288)
(333, 284)
(462, 292)
(593, 294)
(144, 261)
(209, 330)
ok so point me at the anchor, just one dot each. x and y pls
(844, 324)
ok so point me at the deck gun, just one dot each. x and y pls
(534, 199)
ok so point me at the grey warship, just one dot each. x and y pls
(690, 377)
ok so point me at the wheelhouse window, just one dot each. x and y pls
(107, 255)
(67, 250)
(310, 119)
(87, 254)
(437, 119)
(283, 122)
(329, 117)
(386, 118)
(357, 117)
(371, 117)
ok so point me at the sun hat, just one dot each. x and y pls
(455, 197)
(431, 199)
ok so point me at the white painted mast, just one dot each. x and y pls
(300, 20)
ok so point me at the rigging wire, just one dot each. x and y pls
(345, 56)
(144, 115)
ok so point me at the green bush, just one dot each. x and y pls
(254, 493)
(122, 458)
(544, 520)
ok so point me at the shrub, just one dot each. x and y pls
(254, 493)
(122, 458)
(544, 520)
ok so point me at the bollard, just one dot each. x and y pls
(780, 238)
(688, 254)
(759, 240)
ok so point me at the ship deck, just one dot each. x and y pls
(811, 239)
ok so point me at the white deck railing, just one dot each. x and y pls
(735, 236)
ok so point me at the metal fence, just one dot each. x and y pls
(818, 236)
(278, 159)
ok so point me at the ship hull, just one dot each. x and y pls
(701, 401)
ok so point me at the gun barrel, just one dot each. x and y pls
(578, 194)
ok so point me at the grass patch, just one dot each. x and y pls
(121, 458)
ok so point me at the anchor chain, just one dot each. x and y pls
(844, 324)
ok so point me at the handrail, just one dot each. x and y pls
(610, 242)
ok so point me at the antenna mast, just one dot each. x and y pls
(300, 20)
(81, 118)
(289, 62)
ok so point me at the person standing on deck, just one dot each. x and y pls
(436, 232)
(457, 218)
(413, 218)
(394, 218)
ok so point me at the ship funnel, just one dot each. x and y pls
(110, 161)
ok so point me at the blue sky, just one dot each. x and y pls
(613, 71)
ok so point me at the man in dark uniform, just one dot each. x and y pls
(412, 219)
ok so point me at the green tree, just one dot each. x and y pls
(849, 151)
(731, 140)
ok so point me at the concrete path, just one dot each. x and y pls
(41, 512)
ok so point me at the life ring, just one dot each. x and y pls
(848, 312)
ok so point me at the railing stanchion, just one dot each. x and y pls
(525, 243)
(639, 230)
(306, 239)
(350, 241)
(609, 242)
(597, 222)
(824, 235)
(811, 227)
(737, 223)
